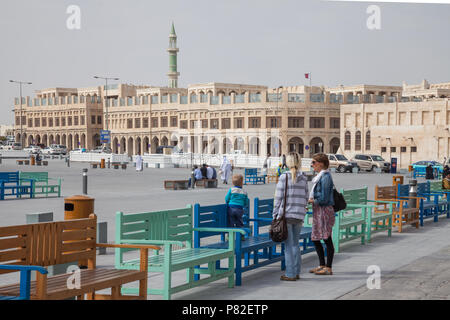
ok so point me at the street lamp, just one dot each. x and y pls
(20, 86)
(107, 102)
(320, 147)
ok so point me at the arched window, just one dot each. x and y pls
(347, 141)
(358, 140)
(368, 140)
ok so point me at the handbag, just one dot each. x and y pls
(278, 228)
(339, 201)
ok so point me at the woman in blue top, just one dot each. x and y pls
(321, 197)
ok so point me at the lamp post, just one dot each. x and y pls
(107, 103)
(280, 138)
(320, 147)
(20, 86)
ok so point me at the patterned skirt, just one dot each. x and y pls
(323, 222)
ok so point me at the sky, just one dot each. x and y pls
(263, 42)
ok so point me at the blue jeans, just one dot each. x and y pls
(292, 256)
(235, 217)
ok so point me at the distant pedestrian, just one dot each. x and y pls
(225, 170)
(283, 161)
(429, 172)
(321, 197)
(209, 172)
(266, 165)
(214, 175)
(237, 201)
(294, 210)
(139, 163)
(204, 171)
(446, 181)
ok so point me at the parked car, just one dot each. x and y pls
(11, 145)
(101, 149)
(341, 163)
(34, 149)
(371, 162)
(62, 148)
(78, 150)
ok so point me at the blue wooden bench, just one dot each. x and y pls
(251, 176)
(428, 207)
(256, 248)
(12, 185)
(25, 280)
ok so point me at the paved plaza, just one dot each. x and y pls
(416, 260)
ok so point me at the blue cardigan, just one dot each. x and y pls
(323, 192)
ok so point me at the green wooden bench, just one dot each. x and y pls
(376, 220)
(349, 224)
(41, 183)
(173, 231)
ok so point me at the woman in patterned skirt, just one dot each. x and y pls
(321, 197)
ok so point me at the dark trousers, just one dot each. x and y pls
(235, 217)
(321, 254)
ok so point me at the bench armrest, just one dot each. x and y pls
(230, 231)
(151, 242)
(261, 219)
(360, 205)
(24, 268)
(128, 246)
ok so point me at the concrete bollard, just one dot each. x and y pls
(39, 217)
(102, 236)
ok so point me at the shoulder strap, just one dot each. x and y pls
(285, 194)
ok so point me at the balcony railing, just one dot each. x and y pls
(296, 97)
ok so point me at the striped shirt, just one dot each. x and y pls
(296, 198)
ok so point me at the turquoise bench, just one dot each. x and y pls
(173, 231)
(41, 183)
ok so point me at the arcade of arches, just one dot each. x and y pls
(252, 145)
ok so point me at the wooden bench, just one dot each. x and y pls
(376, 220)
(51, 243)
(402, 215)
(11, 185)
(45, 163)
(173, 230)
(41, 183)
(272, 175)
(440, 200)
(19, 162)
(251, 176)
(94, 165)
(25, 280)
(206, 183)
(26, 162)
(176, 184)
(254, 246)
(116, 165)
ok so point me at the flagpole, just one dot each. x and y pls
(310, 82)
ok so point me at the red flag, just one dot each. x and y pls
(306, 75)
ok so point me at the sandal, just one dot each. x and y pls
(324, 272)
(284, 278)
(316, 269)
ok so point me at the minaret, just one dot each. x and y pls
(173, 51)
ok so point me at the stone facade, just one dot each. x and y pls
(412, 128)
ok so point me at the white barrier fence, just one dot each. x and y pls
(14, 154)
(97, 157)
(187, 160)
